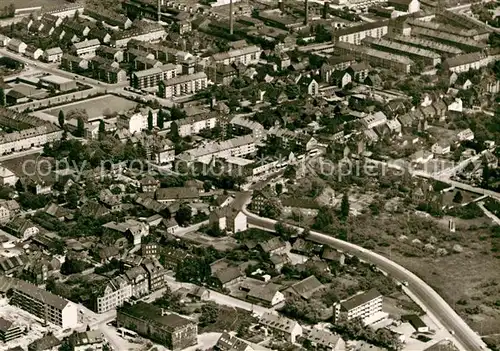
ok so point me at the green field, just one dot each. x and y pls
(96, 107)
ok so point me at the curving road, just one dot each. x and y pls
(433, 303)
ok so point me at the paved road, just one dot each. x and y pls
(433, 303)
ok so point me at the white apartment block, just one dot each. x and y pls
(29, 138)
(153, 76)
(87, 48)
(193, 125)
(355, 34)
(249, 55)
(136, 122)
(235, 147)
(45, 305)
(117, 292)
(152, 34)
(363, 305)
(182, 85)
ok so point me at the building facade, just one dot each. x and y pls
(182, 85)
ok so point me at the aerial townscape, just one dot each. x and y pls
(249, 175)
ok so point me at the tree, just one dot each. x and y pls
(209, 313)
(80, 128)
(2, 97)
(150, 120)
(72, 197)
(290, 172)
(278, 188)
(160, 119)
(344, 206)
(458, 198)
(61, 118)
(102, 127)
(183, 215)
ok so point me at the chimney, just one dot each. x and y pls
(281, 6)
(326, 9)
(159, 10)
(231, 19)
(306, 10)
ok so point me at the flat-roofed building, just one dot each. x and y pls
(182, 85)
(9, 330)
(149, 321)
(58, 83)
(363, 305)
(45, 305)
(153, 76)
(376, 57)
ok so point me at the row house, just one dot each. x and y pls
(109, 53)
(109, 17)
(53, 55)
(236, 147)
(182, 85)
(29, 138)
(74, 63)
(86, 48)
(376, 57)
(142, 31)
(249, 55)
(335, 63)
(152, 77)
(295, 142)
(193, 125)
(466, 62)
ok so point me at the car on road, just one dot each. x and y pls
(452, 332)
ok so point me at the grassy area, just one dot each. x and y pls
(96, 107)
(229, 318)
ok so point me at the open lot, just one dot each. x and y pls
(96, 107)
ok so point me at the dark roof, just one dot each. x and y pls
(360, 299)
(414, 320)
(176, 193)
(271, 244)
(359, 28)
(47, 342)
(5, 325)
(41, 295)
(229, 274)
(307, 287)
(146, 311)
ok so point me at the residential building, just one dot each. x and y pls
(153, 76)
(7, 178)
(10, 330)
(355, 34)
(136, 122)
(268, 295)
(408, 6)
(88, 340)
(440, 148)
(182, 85)
(53, 55)
(156, 274)
(235, 147)
(376, 57)
(115, 293)
(150, 249)
(138, 278)
(109, 53)
(17, 46)
(428, 57)
(465, 134)
(435, 46)
(46, 343)
(194, 125)
(335, 63)
(229, 218)
(463, 43)
(227, 342)
(466, 62)
(22, 228)
(33, 52)
(249, 55)
(149, 321)
(324, 340)
(45, 305)
(363, 305)
(73, 63)
(374, 120)
(86, 49)
(142, 31)
(281, 326)
(241, 126)
(298, 143)
(305, 288)
(4, 40)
